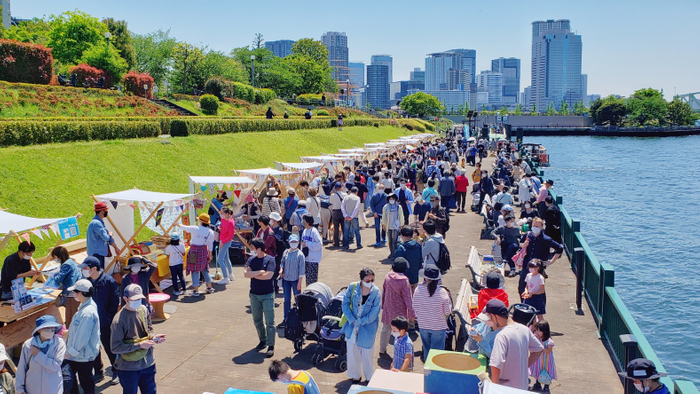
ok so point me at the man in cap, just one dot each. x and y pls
(292, 269)
(552, 218)
(83, 343)
(106, 298)
(98, 238)
(515, 348)
(336, 201)
(645, 376)
(492, 319)
(133, 340)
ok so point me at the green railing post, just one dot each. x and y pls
(607, 279)
(630, 343)
(559, 200)
(684, 387)
(571, 241)
(578, 259)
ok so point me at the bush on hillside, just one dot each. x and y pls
(322, 112)
(263, 96)
(21, 62)
(209, 104)
(217, 87)
(376, 124)
(224, 89)
(178, 128)
(87, 75)
(136, 83)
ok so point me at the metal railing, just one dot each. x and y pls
(596, 282)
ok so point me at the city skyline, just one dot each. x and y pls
(624, 33)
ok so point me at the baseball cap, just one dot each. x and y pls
(133, 292)
(494, 307)
(90, 262)
(641, 369)
(83, 285)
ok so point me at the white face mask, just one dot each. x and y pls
(85, 272)
(403, 185)
(536, 230)
(135, 304)
(367, 284)
(135, 269)
(392, 202)
(510, 224)
(46, 334)
(396, 334)
(294, 245)
(27, 257)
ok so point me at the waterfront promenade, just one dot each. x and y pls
(209, 342)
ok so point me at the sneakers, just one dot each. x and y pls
(99, 375)
(359, 246)
(270, 352)
(176, 293)
(195, 293)
(210, 290)
(377, 245)
(224, 281)
(260, 346)
(115, 380)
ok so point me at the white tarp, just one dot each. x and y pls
(493, 388)
(137, 195)
(264, 172)
(347, 155)
(300, 166)
(375, 145)
(18, 223)
(324, 159)
(221, 180)
(355, 150)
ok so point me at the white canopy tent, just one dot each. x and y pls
(238, 188)
(305, 171)
(262, 176)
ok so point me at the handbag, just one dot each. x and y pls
(344, 319)
(520, 257)
(544, 377)
(60, 300)
(452, 203)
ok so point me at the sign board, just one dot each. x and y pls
(68, 228)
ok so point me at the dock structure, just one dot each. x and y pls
(209, 345)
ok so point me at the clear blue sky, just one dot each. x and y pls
(626, 44)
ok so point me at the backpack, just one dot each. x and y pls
(325, 201)
(293, 329)
(443, 262)
(282, 245)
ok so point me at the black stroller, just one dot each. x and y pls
(332, 341)
(305, 318)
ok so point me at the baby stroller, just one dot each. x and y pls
(331, 340)
(305, 318)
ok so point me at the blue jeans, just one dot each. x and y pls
(393, 236)
(259, 305)
(224, 261)
(353, 227)
(289, 287)
(178, 277)
(378, 230)
(133, 381)
(432, 339)
(508, 253)
(195, 278)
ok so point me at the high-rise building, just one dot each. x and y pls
(436, 67)
(394, 91)
(385, 60)
(584, 88)
(591, 98)
(510, 68)
(417, 75)
(526, 97)
(6, 14)
(378, 86)
(458, 79)
(407, 86)
(468, 61)
(337, 45)
(357, 74)
(451, 98)
(492, 83)
(280, 48)
(556, 64)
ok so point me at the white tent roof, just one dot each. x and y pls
(355, 150)
(324, 159)
(143, 196)
(347, 155)
(18, 223)
(375, 145)
(234, 180)
(265, 172)
(302, 166)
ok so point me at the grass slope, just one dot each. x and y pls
(57, 180)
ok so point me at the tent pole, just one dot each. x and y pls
(133, 237)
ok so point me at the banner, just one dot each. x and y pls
(159, 216)
(68, 228)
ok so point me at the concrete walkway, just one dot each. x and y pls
(209, 340)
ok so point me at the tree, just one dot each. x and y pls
(608, 111)
(73, 33)
(564, 108)
(263, 57)
(188, 62)
(318, 53)
(534, 109)
(35, 31)
(422, 104)
(121, 39)
(550, 110)
(154, 54)
(218, 64)
(503, 111)
(647, 106)
(680, 113)
(312, 76)
(518, 110)
(258, 41)
(106, 59)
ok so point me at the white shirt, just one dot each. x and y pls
(201, 236)
(174, 253)
(313, 205)
(511, 350)
(534, 283)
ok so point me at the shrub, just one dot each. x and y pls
(21, 62)
(87, 75)
(209, 104)
(376, 124)
(322, 112)
(407, 126)
(30, 132)
(217, 87)
(178, 128)
(243, 92)
(136, 83)
(263, 96)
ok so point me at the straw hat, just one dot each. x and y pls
(204, 218)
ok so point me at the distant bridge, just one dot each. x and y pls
(692, 99)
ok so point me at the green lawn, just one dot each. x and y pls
(57, 180)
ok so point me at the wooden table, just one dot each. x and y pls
(158, 301)
(239, 234)
(18, 327)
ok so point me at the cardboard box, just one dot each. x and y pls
(357, 389)
(452, 372)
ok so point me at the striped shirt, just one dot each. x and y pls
(403, 346)
(293, 265)
(431, 312)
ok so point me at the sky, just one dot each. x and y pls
(627, 45)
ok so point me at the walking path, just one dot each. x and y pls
(209, 342)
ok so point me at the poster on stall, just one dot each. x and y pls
(68, 228)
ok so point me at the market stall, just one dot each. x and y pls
(332, 163)
(267, 177)
(305, 172)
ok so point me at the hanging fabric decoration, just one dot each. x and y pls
(37, 232)
(203, 187)
(211, 188)
(220, 186)
(114, 203)
(228, 186)
(237, 193)
(159, 216)
(132, 205)
(26, 236)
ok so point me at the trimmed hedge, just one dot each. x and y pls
(22, 62)
(209, 104)
(30, 133)
(87, 75)
(223, 88)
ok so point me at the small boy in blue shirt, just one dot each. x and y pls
(403, 346)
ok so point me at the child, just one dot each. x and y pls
(298, 382)
(534, 294)
(403, 346)
(175, 251)
(7, 381)
(292, 269)
(546, 360)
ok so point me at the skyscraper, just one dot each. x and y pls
(280, 48)
(436, 67)
(584, 89)
(378, 86)
(468, 61)
(492, 83)
(458, 79)
(556, 64)
(526, 97)
(510, 68)
(384, 60)
(337, 45)
(6, 14)
(357, 74)
(417, 75)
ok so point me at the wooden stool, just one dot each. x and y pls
(158, 300)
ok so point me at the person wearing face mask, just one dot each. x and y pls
(508, 237)
(7, 381)
(361, 306)
(292, 270)
(106, 298)
(39, 369)
(524, 188)
(541, 196)
(396, 300)
(65, 278)
(438, 215)
(133, 340)
(298, 382)
(538, 246)
(487, 325)
(645, 376)
(98, 238)
(552, 217)
(83, 343)
(139, 270)
(16, 265)
(420, 209)
(376, 205)
(392, 217)
(405, 200)
(528, 212)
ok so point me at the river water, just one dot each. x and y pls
(638, 200)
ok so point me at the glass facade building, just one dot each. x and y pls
(510, 68)
(280, 48)
(378, 86)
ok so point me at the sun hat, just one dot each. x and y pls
(431, 272)
(249, 198)
(100, 206)
(291, 191)
(641, 369)
(276, 216)
(174, 237)
(83, 285)
(494, 307)
(3, 353)
(293, 238)
(508, 208)
(46, 321)
(136, 260)
(392, 195)
(90, 262)
(551, 182)
(204, 218)
(271, 192)
(133, 292)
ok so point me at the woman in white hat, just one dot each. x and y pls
(7, 381)
(39, 368)
(271, 203)
(432, 304)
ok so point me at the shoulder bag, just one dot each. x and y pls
(344, 319)
(137, 354)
